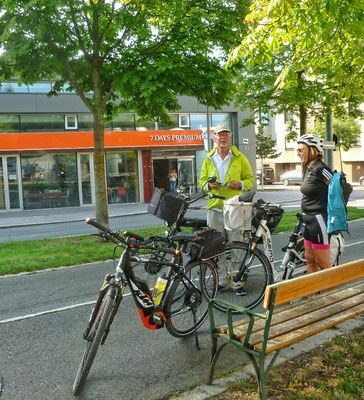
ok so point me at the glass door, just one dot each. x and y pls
(2, 186)
(10, 183)
(13, 181)
(186, 174)
(85, 178)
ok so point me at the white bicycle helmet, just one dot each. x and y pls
(312, 141)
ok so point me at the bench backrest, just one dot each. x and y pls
(311, 283)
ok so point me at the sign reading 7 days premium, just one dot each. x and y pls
(173, 138)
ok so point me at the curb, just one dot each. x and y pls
(68, 220)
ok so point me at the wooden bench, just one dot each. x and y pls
(264, 333)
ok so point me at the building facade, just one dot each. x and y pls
(350, 162)
(46, 149)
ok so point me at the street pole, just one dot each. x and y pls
(329, 137)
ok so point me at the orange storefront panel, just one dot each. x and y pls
(12, 142)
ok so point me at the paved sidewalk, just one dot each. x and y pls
(289, 198)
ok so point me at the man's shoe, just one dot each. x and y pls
(241, 292)
(221, 289)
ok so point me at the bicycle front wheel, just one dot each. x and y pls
(94, 338)
(189, 296)
(296, 267)
(249, 291)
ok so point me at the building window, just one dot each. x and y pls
(42, 123)
(40, 87)
(13, 87)
(264, 118)
(184, 121)
(71, 122)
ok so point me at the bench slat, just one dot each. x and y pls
(298, 322)
(300, 308)
(311, 283)
(302, 333)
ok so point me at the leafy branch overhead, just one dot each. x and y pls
(297, 54)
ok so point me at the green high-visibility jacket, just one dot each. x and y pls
(239, 170)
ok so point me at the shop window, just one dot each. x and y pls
(122, 177)
(50, 180)
(71, 122)
(184, 121)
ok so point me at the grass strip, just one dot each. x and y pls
(33, 255)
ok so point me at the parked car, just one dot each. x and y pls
(291, 177)
(361, 180)
(268, 175)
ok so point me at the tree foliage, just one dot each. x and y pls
(302, 56)
(347, 131)
(122, 55)
(265, 146)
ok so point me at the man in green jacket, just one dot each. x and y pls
(234, 174)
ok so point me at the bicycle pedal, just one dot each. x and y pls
(158, 320)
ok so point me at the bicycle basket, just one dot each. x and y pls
(276, 214)
(208, 243)
(165, 205)
(237, 214)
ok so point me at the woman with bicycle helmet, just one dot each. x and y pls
(314, 189)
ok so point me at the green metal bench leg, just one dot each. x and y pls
(262, 373)
(214, 356)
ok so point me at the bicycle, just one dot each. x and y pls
(250, 267)
(180, 304)
(294, 263)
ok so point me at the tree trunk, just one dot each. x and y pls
(102, 215)
(303, 119)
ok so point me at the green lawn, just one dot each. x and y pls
(33, 255)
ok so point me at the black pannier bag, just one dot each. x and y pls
(209, 243)
(165, 205)
(274, 219)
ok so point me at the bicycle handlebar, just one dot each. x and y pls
(137, 241)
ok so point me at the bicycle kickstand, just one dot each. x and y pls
(194, 311)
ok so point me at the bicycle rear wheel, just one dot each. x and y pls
(256, 277)
(188, 298)
(94, 339)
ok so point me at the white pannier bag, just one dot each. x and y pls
(237, 214)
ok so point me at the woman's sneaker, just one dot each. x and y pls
(241, 292)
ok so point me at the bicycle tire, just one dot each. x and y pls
(191, 291)
(93, 340)
(299, 267)
(257, 277)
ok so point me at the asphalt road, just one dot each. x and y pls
(289, 198)
(43, 315)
